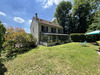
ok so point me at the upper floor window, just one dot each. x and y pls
(59, 30)
(33, 29)
(44, 29)
(53, 30)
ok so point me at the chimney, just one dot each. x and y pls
(36, 15)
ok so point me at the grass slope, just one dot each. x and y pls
(66, 59)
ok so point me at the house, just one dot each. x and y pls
(47, 33)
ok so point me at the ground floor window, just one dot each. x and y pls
(43, 38)
(54, 38)
(49, 39)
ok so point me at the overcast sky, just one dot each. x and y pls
(19, 13)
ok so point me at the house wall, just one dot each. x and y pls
(49, 28)
(49, 31)
(34, 30)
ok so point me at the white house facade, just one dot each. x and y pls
(47, 33)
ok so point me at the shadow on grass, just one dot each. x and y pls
(85, 46)
(94, 43)
(14, 54)
(58, 44)
(98, 50)
(3, 69)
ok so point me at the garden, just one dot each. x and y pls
(19, 54)
(66, 59)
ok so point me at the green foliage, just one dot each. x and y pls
(81, 12)
(80, 37)
(2, 33)
(84, 12)
(8, 47)
(62, 14)
(18, 41)
(31, 40)
(81, 17)
(96, 23)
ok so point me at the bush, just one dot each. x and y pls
(80, 37)
(8, 47)
(15, 46)
(92, 38)
(17, 40)
(31, 40)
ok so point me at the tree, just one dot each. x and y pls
(17, 40)
(31, 40)
(84, 12)
(2, 33)
(14, 37)
(96, 23)
(62, 14)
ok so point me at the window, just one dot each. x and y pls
(42, 29)
(53, 30)
(33, 29)
(44, 38)
(59, 30)
(54, 38)
(46, 29)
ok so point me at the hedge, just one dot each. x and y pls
(80, 37)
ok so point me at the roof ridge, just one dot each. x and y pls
(47, 22)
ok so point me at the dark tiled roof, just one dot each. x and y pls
(47, 22)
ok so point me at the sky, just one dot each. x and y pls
(19, 13)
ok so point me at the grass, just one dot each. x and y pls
(66, 59)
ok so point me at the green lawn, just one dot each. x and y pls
(66, 59)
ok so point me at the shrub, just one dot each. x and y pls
(80, 37)
(92, 38)
(19, 41)
(8, 47)
(2, 33)
(31, 40)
